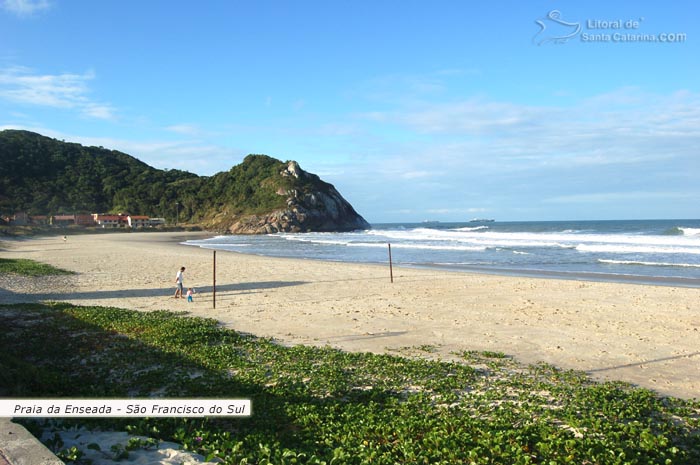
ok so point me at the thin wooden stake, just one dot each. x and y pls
(214, 287)
(391, 266)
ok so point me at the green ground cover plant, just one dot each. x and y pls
(25, 267)
(324, 406)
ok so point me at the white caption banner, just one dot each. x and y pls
(125, 408)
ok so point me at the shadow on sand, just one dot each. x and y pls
(152, 292)
(641, 364)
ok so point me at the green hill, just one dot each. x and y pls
(44, 176)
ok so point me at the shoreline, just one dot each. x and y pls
(671, 281)
(644, 334)
(667, 281)
(654, 252)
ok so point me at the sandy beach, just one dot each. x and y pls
(646, 335)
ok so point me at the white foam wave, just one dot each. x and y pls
(355, 242)
(213, 240)
(418, 246)
(206, 244)
(319, 238)
(454, 234)
(480, 238)
(626, 248)
(319, 241)
(475, 228)
(690, 231)
(588, 242)
(636, 262)
(442, 247)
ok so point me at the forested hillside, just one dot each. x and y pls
(41, 175)
(44, 176)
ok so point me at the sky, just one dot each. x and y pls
(442, 110)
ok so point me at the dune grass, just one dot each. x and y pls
(321, 405)
(25, 267)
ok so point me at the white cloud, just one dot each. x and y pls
(98, 111)
(338, 129)
(417, 174)
(67, 91)
(633, 127)
(475, 117)
(37, 129)
(189, 155)
(402, 87)
(614, 197)
(185, 129)
(25, 7)
(626, 149)
(453, 211)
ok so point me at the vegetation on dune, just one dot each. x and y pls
(25, 267)
(321, 405)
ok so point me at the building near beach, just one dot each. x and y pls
(105, 221)
(20, 219)
(137, 221)
(75, 219)
(111, 221)
(152, 222)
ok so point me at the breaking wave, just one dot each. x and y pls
(640, 263)
(651, 248)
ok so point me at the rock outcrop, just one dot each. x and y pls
(311, 205)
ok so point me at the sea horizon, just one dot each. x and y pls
(658, 252)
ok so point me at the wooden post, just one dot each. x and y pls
(214, 287)
(391, 266)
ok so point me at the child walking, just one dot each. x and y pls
(190, 292)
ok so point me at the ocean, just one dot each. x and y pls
(664, 252)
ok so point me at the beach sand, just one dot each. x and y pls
(166, 453)
(646, 335)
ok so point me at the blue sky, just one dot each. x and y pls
(414, 110)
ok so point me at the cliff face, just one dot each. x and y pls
(311, 205)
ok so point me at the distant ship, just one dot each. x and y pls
(481, 220)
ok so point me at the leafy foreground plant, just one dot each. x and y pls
(25, 267)
(321, 405)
